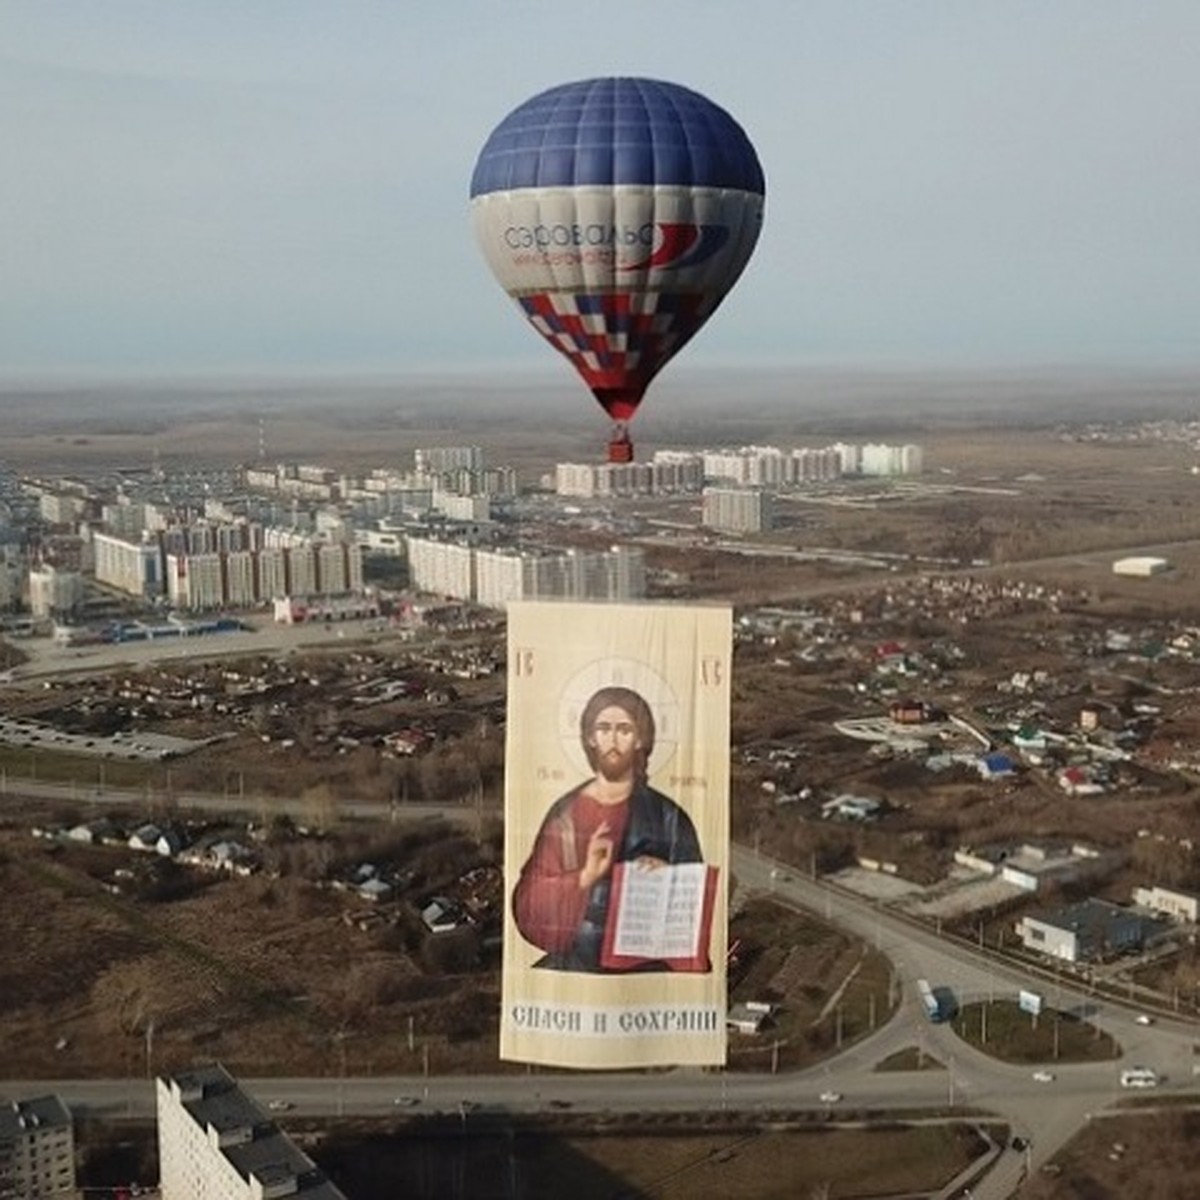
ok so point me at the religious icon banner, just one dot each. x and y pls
(616, 855)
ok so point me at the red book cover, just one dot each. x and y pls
(697, 958)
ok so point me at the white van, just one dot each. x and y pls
(1138, 1077)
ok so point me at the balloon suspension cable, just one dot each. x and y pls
(620, 448)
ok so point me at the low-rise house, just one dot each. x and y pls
(1029, 738)
(145, 838)
(851, 808)
(996, 766)
(407, 741)
(375, 890)
(170, 842)
(748, 1016)
(234, 857)
(909, 711)
(93, 832)
(441, 915)
(1079, 781)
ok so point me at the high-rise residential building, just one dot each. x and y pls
(434, 460)
(332, 560)
(12, 571)
(129, 566)
(302, 571)
(125, 518)
(891, 460)
(470, 509)
(196, 581)
(272, 573)
(667, 475)
(37, 1150)
(59, 508)
(443, 568)
(737, 510)
(216, 1143)
(240, 576)
(54, 592)
(502, 575)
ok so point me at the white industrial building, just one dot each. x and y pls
(1090, 931)
(37, 1150)
(215, 1143)
(1140, 566)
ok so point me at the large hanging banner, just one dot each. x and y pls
(616, 854)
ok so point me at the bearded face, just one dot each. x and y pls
(615, 744)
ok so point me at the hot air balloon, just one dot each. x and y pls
(618, 213)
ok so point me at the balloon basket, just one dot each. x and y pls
(620, 448)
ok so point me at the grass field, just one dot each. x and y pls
(1002, 1030)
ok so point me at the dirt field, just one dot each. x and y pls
(1152, 1157)
(660, 1159)
(759, 1164)
(261, 974)
(266, 976)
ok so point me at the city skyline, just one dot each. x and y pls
(222, 190)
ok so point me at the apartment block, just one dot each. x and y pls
(37, 1150)
(737, 510)
(216, 1143)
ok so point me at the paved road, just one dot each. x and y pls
(1046, 1114)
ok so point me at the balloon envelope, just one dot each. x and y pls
(618, 213)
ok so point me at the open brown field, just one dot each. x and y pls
(265, 975)
(1153, 1156)
(656, 1158)
(672, 1162)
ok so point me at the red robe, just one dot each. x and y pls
(548, 902)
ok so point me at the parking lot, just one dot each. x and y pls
(23, 732)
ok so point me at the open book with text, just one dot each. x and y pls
(660, 915)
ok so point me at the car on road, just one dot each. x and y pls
(406, 1101)
(1043, 1076)
(279, 1105)
(830, 1097)
(560, 1104)
(1143, 1019)
(1139, 1077)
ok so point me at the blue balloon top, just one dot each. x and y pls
(602, 132)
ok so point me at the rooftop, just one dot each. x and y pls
(257, 1148)
(23, 1116)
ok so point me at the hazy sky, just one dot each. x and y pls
(226, 186)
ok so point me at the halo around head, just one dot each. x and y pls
(619, 672)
